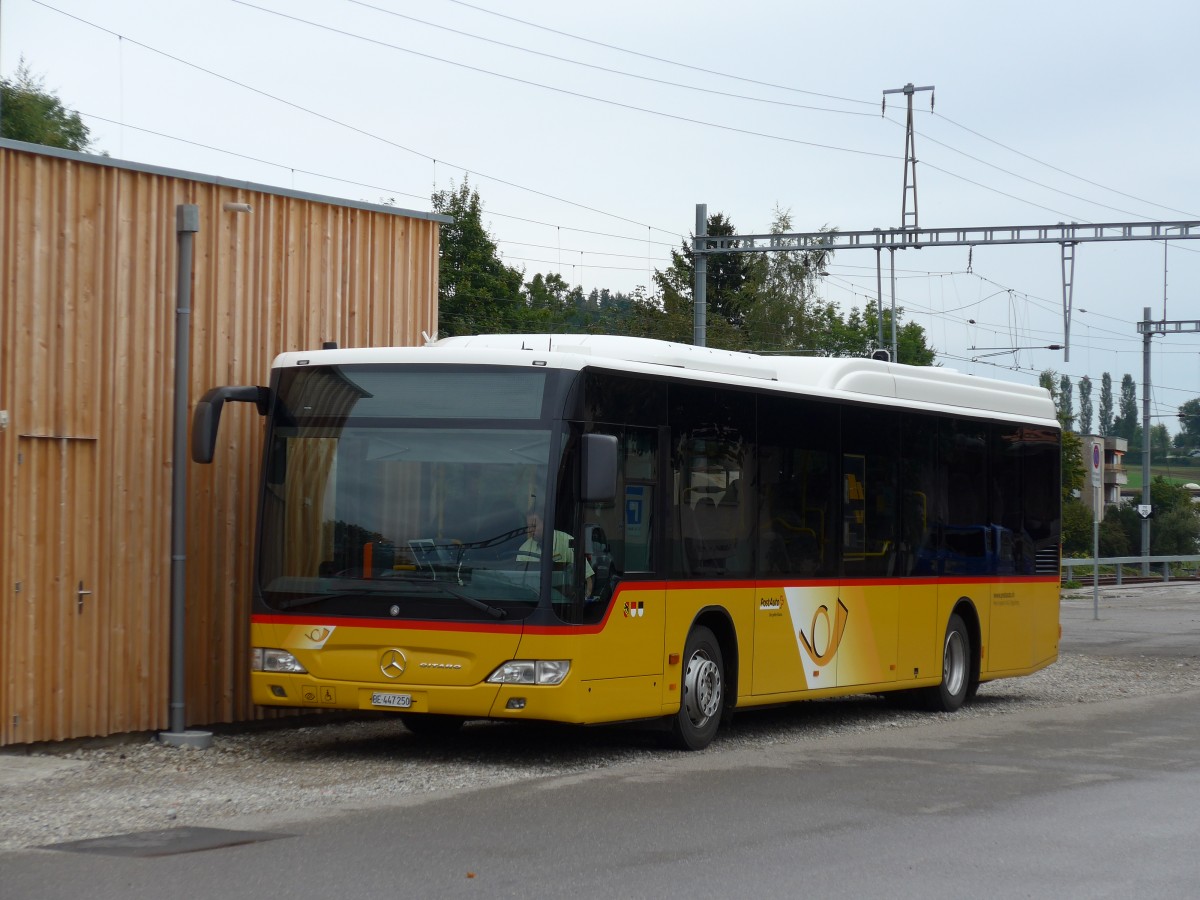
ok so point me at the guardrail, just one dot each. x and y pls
(1115, 565)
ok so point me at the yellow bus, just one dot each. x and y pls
(597, 529)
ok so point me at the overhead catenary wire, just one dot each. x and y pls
(570, 93)
(659, 59)
(1074, 175)
(599, 68)
(671, 231)
(354, 128)
(499, 180)
(871, 103)
(674, 116)
(385, 191)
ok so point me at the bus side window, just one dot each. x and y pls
(713, 459)
(798, 492)
(870, 497)
(617, 536)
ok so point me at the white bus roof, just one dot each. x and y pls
(924, 387)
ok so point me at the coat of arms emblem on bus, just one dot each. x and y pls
(634, 608)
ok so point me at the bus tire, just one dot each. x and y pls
(702, 692)
(956, 669)
(432, 725)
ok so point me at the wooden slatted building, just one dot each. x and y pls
(87, 323)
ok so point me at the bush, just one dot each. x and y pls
(1076, 529)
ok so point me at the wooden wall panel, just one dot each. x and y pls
(87, 323)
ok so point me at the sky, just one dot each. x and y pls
(592, 131)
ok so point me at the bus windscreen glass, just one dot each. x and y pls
(382, 500)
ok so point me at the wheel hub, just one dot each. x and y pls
(701, 688)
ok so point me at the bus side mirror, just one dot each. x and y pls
(599, 468)
(206, 418)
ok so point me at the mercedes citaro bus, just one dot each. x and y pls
(595, 529)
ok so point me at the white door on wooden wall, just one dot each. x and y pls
(59, 634)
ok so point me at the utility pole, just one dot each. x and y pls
(910, 184)
(1068, 286)
(1146, 508)
(700, 279)
(910, 153)
(1148, 329)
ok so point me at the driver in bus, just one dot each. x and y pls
(562, 552)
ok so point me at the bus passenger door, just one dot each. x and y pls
(624, 619)
(871, 549)
(867, 639)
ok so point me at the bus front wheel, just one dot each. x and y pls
(956, 669)
(702, 692)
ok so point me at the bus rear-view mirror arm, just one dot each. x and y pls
(206, 418)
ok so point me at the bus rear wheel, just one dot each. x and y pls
(956, 669)
(702, 692)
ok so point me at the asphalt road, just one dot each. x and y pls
(1090, 800)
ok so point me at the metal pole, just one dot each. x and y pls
(187, 223)
(1098, 504)
(700, 277)
(1068, 281)
(1165, 244)
(879, 293)
(895, 348)
(1146, 439)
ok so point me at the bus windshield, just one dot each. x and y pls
(404, 493)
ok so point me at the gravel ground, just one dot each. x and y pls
(138, 785)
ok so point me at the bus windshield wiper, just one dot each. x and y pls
(495, 612)
(309, 600)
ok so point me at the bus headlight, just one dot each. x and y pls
(531, 671)
(265, 659)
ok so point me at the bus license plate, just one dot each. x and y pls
(399, 701)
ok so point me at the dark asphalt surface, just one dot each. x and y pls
(1086, 800)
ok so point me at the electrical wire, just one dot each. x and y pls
(1024, 178)
(856, 101)
(330, 119)
(388, 191)
(1061, 171)
(593, 66)
(576, 94)
(659, 59)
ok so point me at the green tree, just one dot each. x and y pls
(1076, 516)
(911, 346)
(1174, 530)
(1085, 405)
(787, 314)
(1114, 536)
(1106, 405)
(731, 287)
(1076, 528)
(29, 112)
(1048, 379)
(1189, 424)
(477, 292)
(1126, 423)
(1066, 402)
(1160, 441)
(1073, 471)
